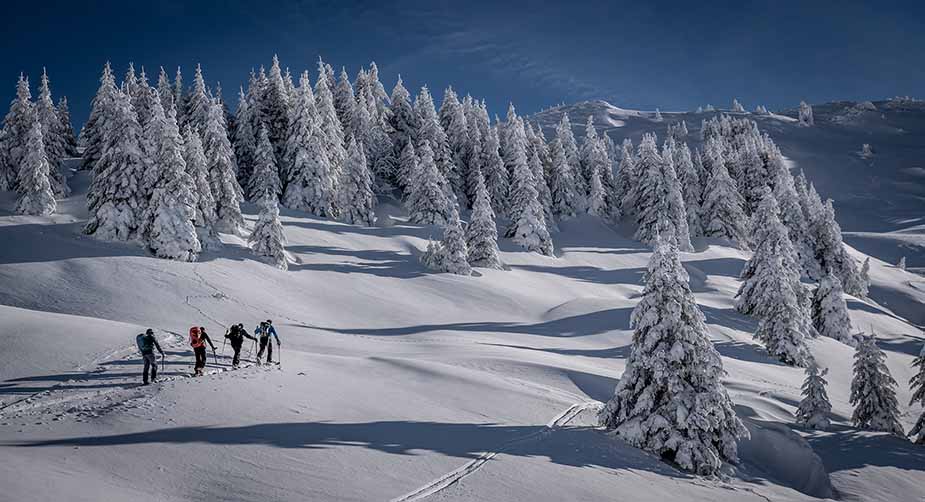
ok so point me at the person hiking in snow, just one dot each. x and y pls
(263, 332)
(146, 345)
(197, 340)
(236, 335)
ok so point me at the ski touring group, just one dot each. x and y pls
(198, 339)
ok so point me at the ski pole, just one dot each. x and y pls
(214, 357)
(223, 343)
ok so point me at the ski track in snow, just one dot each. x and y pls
(454, 476)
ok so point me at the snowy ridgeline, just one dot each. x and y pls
(171, 166)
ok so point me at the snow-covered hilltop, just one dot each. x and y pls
(459, 298)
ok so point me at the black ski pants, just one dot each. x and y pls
(237, 354)
(150, 365)
(200, 353)
(265, 345)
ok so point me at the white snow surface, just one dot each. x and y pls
(401, 384)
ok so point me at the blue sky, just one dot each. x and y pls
(670, 54)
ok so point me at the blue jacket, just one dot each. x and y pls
(265, 333)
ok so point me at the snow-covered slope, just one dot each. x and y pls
(395, 383)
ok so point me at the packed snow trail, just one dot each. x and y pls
(454, 476)
(108, 382)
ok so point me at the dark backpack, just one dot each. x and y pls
(234, 334)
(145, 343)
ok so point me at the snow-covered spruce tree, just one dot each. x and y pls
(67, 129)
(432, 258)
(198, 104)
(244, 138)
(815, 407)
(626, 179)
(496, 176)
(600, 166)
(375, 140)
(275, 109)
(523, 183)
(290, 86)
(143, 100)
(529, 227)
(754, 176)
(562, 185)
(902, 263)
(222, 169)
(101, 113)
(150, 141)
(770, 241)
(484, 152)
(328, 123)
(658, 116)
(345, 104)
(542, 188)
(170, 229)
(784, 325)
(657, 194)
(311, 184)
(52, 137)
(267, 240)
(831, 253)
(477, 159)
(196, 168)
(482, 232)
(130, 81)
(806, 114)
(865, 278)
(451, 254)
(671, 400)
(37, 196)
(570, 150)
(377, 92)
(917, 385)
(588, 144)
(791, 215)
(329, 77)
(179, 96)
(454, 124)
(737, 107)
(428, 204)
(355, 198)
(872, 390)
(16, 127)
(691, 185)
(115, 199)
(256, 84)
(164, 91)
(722, 213)
(597, 198)
(408, 169)
(830, 312)
(431, 131)
(266, 175)
(404, 125)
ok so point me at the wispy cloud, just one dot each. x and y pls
(496, 49)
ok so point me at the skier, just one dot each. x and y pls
(263, 332)
(236, 335)
(197, 340)
(146, 345)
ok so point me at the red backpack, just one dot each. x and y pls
(194, 340)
